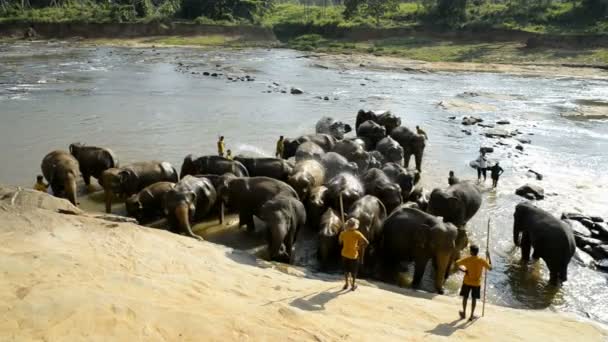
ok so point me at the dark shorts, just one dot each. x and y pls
(350, 265)
(466, 289)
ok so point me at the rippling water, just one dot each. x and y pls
(139, 103)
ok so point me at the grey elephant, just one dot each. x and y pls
(353, 153)
(390, 150)
(348, 186)
(329, 247)
(93, 160)
(336, 129)
(316, 205)
(377, 183)
(212, 165)
(189, 201)
(267, 167)
(412, 143)
(284, 217)
(290, 146)
(130, 179)
(365, 143)
(420, 196)
(413, 235)
(551, 239)
(147, 204)
(457, 204)
(371, 214)
(307, 175)
(335, 163)
(309, 150)
(406, 179)
(385, 119)
(248, 194)
(371, 131)
(61, 170)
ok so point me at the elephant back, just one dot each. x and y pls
(371, 213)
(346, 184)
(363, 116)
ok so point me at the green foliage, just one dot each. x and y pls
(228, 10)
(371, 8)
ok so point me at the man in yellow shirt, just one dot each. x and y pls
(279, 151)
(422, 132)
(473, 268)
(221, 146)
(40, 186)
(352, 242)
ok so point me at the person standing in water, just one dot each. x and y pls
(452, 179)
(421, 132)
(495, 172)
(482, 164)
(280, 147)
(221, 146)
(352, 242)
(40, 185)
(471, 284)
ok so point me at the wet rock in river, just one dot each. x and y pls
(602, 230)
(452, 117)
(587, 244)
(326, 98)
(573, 216)
(531, 192)
(485, 125)
(524, 140)
(519, 147)
(214, 75)
(497, 133)
(466, 131)
(206, 73)
(600, 252)
(471, 120)
(596, 219)
(296, 91)
(583, 258)
(601, 265)
(503, 122)
(578, 228)
(536, 174)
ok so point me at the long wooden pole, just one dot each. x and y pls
(341, 208)
(485, 280)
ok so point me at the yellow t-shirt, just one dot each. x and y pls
(475, 266)
(40, 187)
(350, 240)
(221, 146)
(279, 148)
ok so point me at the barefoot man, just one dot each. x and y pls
(352, 242)
(473, 267)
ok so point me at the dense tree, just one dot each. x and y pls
(224, 9)
(373, 8)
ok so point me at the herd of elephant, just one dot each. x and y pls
(322, 179)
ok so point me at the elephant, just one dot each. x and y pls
(267, 167)
(457, 204)
(401, 176)
(353, 152)
(189, 201)
(61, 171)
(371, 213)
(377, 183)
(93, 161)
(130, 179)
(329, 246)
(372, 132)
(364, 142)
(325, 141)
(307, 174)
(413, 235)
(385, 119)
(147, 204)
(309, 150)
(335, 163)
(390, 150)
(316, 205)
(284, 216)
(552, 239)
(346, 184)
(420, 196)
(249, 194)
(336, 129)
(412, 143)
(212, 165)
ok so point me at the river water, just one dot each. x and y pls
(143, 105)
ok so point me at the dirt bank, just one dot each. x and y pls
(67, 277)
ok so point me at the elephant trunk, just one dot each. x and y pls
(108, 199)
(182, 215)
(516, 236)
(71, 189)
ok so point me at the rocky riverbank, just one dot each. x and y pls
(75, 276)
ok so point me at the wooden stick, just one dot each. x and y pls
(485, 280)
(221, 212)
(341, 208)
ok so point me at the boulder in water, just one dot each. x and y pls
(466, 131)
(471, 120)
(600, 252)
(531, 192)
(602, 230)
(601, 265)
(503, 122)
(524, 140)
(596, 219)
(583, 258)
(296, 91)
(485, 125)
(578, 228)
(587, 243)
(537, 175)
(519, 148)
(497, 133)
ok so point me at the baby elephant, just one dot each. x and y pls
(61, 170)
(189, 201)
(147, 205)
(284, 216)
(329, 247)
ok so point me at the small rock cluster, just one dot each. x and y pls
(591, 236)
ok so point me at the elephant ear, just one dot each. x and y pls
(420, 236)
(453, 204)
(128, 180)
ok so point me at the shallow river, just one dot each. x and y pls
(144, 106)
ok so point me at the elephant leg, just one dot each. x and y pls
(406, 159)
(420, 265)
(442, 262)
(418, 158)
(526, 245)
(563, 273)
(87, 179)
(108, 199)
